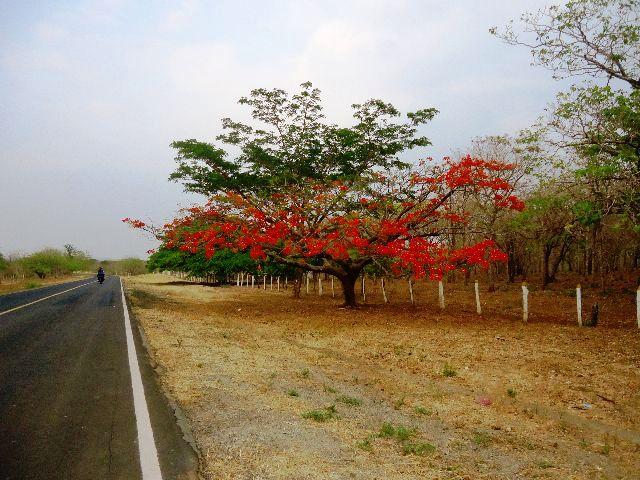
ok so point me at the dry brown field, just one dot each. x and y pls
(282, 388)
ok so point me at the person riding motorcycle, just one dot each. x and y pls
(100, 275)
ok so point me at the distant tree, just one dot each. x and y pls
(71, 250)
(594, 127)
(599, 38)
(130, 266)
(549, 222)
(596, 39)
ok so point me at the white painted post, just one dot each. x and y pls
(271, 281)
(286, 282)
(384, 292)
(333, 292)
(319, 286)
(579, 304)
(441, 294)
(278, 280)
(638, 306)
(307, 283)
(525, 302)
(238, 280)
(478, 306)
(364, 292)
(253, 281)
(264, 282)
(411, 291)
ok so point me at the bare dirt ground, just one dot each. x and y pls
(277, 388)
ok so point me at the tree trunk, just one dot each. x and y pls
(556, 265)
(511, 262)
(297, 283)
(545, 269)
(491, 278)
(349, 290)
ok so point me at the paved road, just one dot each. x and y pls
(66, 396)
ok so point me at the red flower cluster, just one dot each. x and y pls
(402, 222)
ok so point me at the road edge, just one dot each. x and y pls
(182, 420)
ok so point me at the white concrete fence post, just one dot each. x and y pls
(579, 304)
(319, 285)
(333, 292)
(638, 306)
(307, 283)
(525, 302)
(264, 282)
(384, 292)
(411, 291)
(478, 306)
(441, 294)
(364, 292)
(278, 280)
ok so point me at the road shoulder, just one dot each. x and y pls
(177, 451)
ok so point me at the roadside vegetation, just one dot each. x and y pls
(50, 265)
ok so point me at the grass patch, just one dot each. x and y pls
(323, 415)
(422, 410)
(31, 285)
(399, 432)
(448, 371)
(399, 403)
(305, 373)
(402, 434)
(354, 402)
(482, 439)
(365, 445)
(293, 393)
(418, 448)
(512, 392)
(545, 464)
(329, 389)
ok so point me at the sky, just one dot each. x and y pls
(92, 93)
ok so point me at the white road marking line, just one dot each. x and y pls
(146, 444)
(44, 298)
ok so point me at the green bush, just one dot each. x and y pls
(54, 262)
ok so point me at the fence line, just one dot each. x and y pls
(509, 307)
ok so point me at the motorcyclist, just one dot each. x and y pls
(101, 275)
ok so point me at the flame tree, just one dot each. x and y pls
(330, 199)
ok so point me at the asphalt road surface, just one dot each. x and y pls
(76, 400)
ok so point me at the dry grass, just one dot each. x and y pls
(31, 283)
(537, 400)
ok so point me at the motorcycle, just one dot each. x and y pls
(100, 278)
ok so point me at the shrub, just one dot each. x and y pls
(448, 371)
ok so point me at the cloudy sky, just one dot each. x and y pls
(93, 92)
